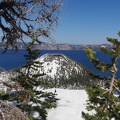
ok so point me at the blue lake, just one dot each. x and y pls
(12, 59)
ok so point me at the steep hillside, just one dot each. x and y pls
(59, 70)
(63, 72)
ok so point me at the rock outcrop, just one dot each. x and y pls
(10, 112)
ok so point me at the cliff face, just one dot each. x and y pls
(45, 46)
(50, 46)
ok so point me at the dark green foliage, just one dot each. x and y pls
(102, 100)
(29, 80)
(105, 105)
(28, 19)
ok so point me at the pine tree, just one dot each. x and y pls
(21, 19)
(102, 100)
(30, 96)
(29, 79)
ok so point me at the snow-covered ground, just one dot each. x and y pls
(70, 105)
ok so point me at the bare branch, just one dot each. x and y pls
(116, 88)
(30, 9)
(27, 18)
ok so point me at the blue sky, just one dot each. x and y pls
(88, 21)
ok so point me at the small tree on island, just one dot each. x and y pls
(103, 102)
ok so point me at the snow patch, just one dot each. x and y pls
(70, 105)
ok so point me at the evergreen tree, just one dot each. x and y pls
(20, 19)
(103, 102)
(30, 95)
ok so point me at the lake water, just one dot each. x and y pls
(12, 59)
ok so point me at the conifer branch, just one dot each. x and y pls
(102, 99)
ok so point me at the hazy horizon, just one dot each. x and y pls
(86, 22)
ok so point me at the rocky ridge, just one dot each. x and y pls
(55, 46)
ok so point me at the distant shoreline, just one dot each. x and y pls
(48, 46)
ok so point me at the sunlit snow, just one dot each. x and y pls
(70, 105)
